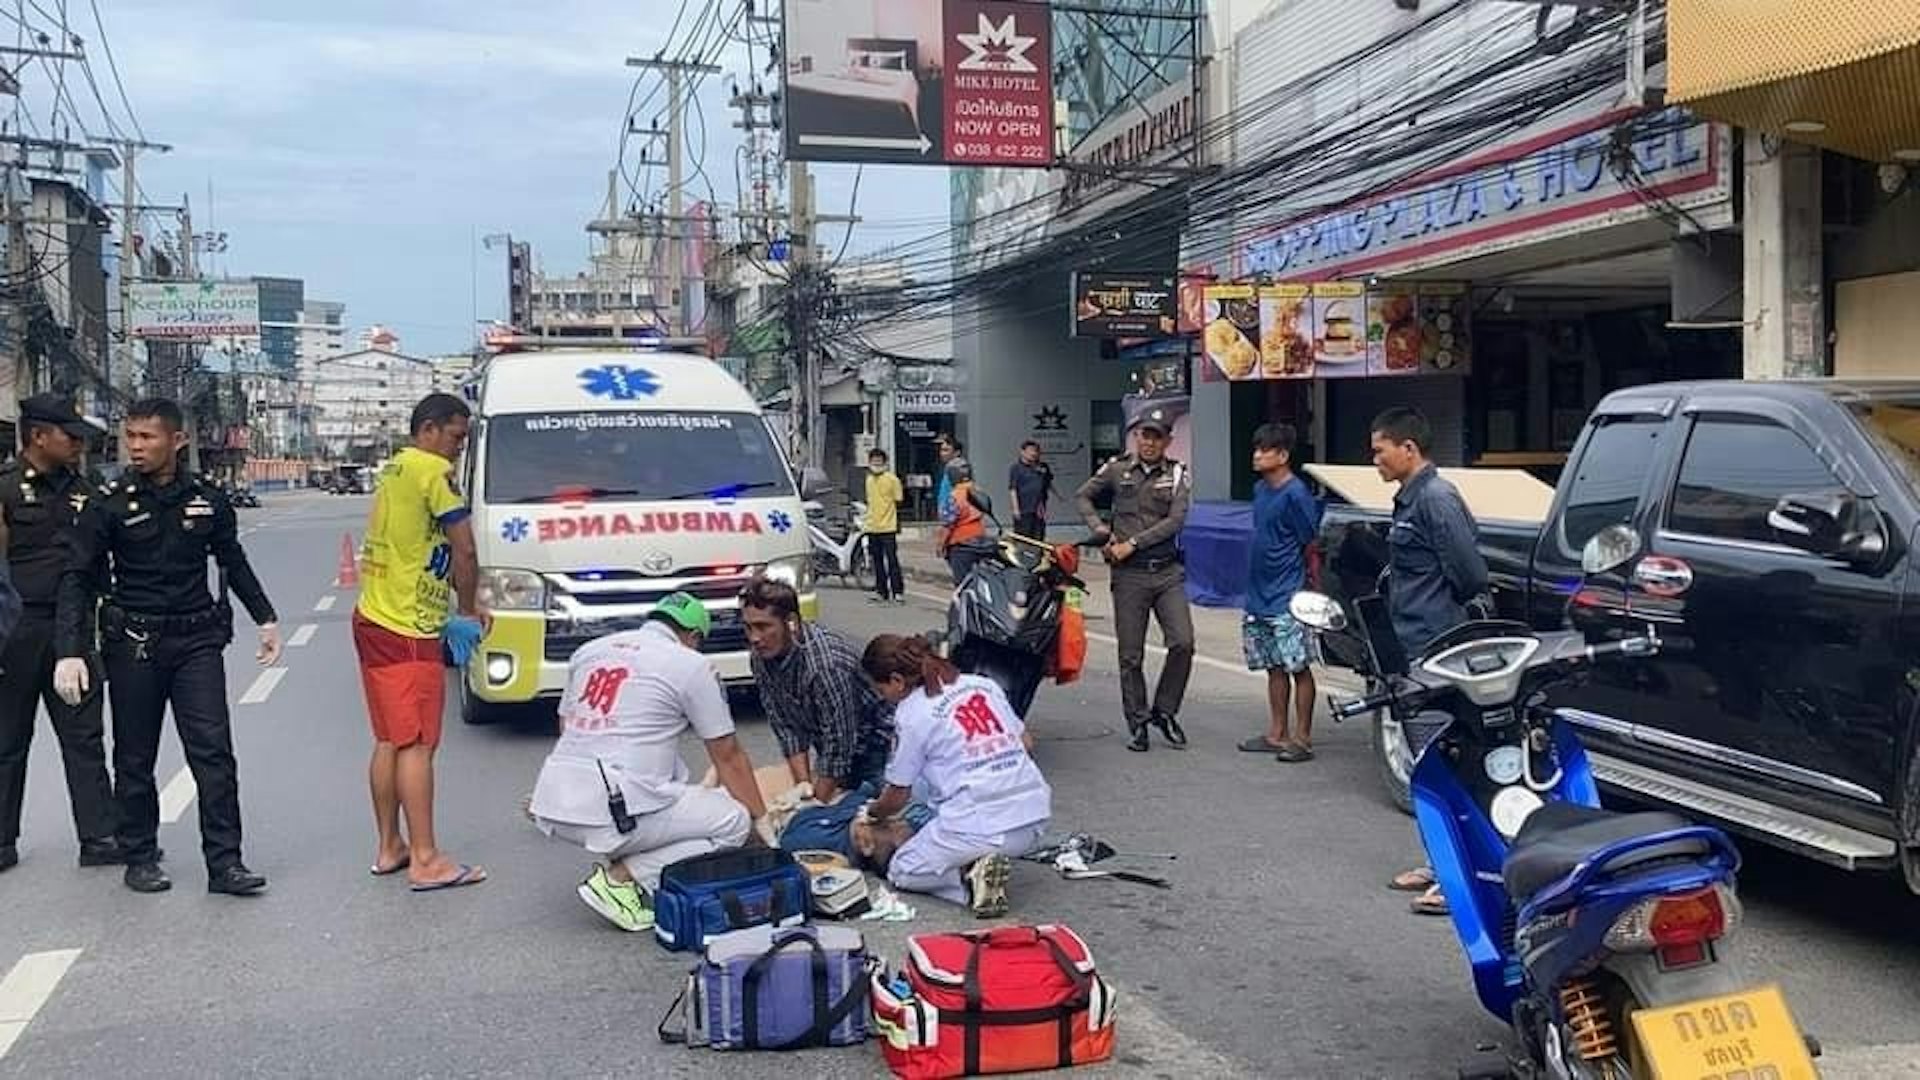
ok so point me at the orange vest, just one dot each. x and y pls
(968, 522)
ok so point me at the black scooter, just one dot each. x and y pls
(1004, 619)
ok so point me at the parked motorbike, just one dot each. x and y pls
(1601, 938)
(243, 498)
(1004, 621)
(838, 546)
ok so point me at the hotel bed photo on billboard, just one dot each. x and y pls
(882, 86)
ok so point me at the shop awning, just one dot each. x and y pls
(1843, 74)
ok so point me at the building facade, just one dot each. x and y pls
(362, 402)
(281, 301)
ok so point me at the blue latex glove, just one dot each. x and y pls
(462, 636)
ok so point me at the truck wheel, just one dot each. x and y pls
(1394, 760)
(473, 711)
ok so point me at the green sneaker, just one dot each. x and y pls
(622, 903)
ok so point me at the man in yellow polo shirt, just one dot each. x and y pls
(883, 529)
(419, 555)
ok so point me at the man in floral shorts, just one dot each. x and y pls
(1286, 520)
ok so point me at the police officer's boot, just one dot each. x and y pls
(1170, 729)
(147, 877)
(1138, 729)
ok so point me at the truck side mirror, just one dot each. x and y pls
(1830, 525)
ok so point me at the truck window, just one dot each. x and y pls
(1734, 471)
(636, 456)
(1606, 489)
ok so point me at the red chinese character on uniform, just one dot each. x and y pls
(977, 718)
(603, 687)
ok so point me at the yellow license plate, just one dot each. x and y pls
(1746, 1036)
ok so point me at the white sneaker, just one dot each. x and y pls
(987, 886)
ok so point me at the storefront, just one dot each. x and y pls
(1502, 293)
(920, 418)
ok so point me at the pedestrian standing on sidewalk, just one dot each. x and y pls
(884, 496)
(1286, 521)
(1435, 570)
(419, 562)
(954, 468)
(961, 527)
(1151, 494)
(42, 493)
(833, 728)
(163, 637)
(1029, 482)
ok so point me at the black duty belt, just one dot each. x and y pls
(1154, 562)
(113, 617)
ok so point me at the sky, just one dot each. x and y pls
(364, 145)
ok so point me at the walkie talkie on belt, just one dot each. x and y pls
(616, 803)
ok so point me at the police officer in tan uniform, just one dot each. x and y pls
(1151, 493)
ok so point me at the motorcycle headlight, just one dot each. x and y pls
(512, 590)
(797, 572)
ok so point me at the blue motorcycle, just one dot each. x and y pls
(1599, 937)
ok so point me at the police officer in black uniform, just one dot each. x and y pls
(162, 637)
(42, 494)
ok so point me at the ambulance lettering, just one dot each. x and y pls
(593, 526)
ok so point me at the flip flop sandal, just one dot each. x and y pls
(1258, 744)
(1428, 905)
(1419, 881)
(468, 875)
(377, 871)
(1293, 753)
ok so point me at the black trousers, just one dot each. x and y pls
(1031, 526)
(26, 682)
(188, 671)
(884, 550)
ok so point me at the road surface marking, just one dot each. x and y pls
(301, 636)
(325, 604)
(263, 685)
(26, 988)
(1095, 635)
(177, 796)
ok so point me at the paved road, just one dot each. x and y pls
(1277, 955)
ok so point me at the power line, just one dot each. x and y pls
(114, 67)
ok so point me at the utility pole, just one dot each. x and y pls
(128, 269)
(676, 72)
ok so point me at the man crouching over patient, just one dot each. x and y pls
(615, 783)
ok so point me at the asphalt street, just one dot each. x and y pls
(1278, 953)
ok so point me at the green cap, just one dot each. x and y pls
(686, 613)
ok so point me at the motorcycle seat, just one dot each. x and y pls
(1560, 835)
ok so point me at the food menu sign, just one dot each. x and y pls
(1123, 305)
(1337, 329)
(1232, 332)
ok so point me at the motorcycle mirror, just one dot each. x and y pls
(1610, 549)
(1317, 611)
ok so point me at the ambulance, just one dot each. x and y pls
(602, 479)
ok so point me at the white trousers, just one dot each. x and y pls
(701, 820)
(933, 860)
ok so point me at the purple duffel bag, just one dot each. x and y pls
(774, 988)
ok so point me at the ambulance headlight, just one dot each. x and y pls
(512, 590)
(797, 572)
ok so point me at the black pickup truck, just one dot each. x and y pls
(1779, 524)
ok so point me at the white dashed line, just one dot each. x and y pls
(177, 796)
(1095, 635)
(325, 604)
(26, 988)
(263, 685)
(301, 636)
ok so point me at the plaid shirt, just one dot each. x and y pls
(817, 699)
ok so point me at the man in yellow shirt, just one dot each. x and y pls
(884, 496)
(419, 536)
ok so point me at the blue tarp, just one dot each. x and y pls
(1218, 540)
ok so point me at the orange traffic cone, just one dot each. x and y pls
(349, 576)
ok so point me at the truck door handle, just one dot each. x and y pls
(1658, 575)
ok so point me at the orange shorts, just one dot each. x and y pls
(406, 684)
